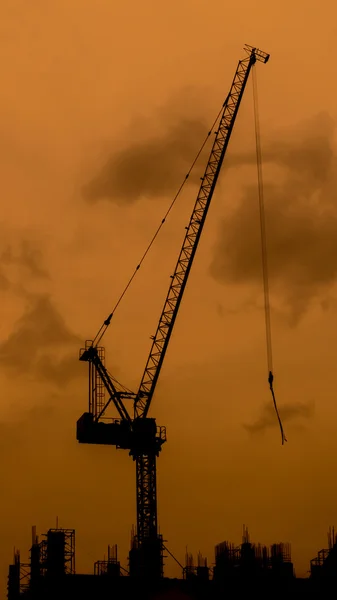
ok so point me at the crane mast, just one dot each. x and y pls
(138, 433)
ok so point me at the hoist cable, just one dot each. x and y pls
(106, 323)
(264, 253)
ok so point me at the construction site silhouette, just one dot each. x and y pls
(247, 568)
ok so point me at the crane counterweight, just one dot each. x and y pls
(138, 433)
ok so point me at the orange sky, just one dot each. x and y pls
(82, 81)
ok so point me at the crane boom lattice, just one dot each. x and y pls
(193, 233)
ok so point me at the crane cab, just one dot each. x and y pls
(147, 437)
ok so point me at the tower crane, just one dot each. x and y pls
(137, 432)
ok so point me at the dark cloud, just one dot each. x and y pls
(156, 165)
(28, 256)
(301, 219)
(20, 264)
(60, 371)
(152, 168)
(5, 284)
(288, 412)
(246, 305)
(41, 345)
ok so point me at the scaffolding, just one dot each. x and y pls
(18, 577)
(200, 571)
(251, 559)
(52, 558)
(57, 552)
(150, 551)
(111, 566)
(325, 563)
(51, 569)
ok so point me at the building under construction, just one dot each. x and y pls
(50, 572)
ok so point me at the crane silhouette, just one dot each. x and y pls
(137, 432)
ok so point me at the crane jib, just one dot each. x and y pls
(193, 232)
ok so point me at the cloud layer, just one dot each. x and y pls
(39, 345)
(288, 412)
(154, 167)
(301, 218)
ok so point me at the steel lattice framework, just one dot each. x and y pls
(140, 434)
(193, 233)
(146, 496)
